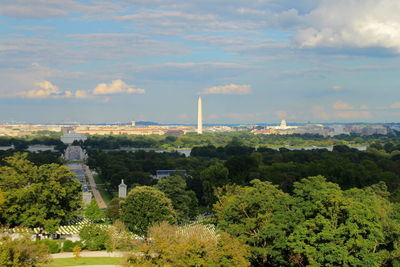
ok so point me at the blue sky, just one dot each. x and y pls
(252, 61)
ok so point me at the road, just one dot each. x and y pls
(82, 170)
(96, 193)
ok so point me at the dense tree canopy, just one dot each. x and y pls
(93, 212)
(317, 225)
(145, 206)
(184, 201)
(37, 196)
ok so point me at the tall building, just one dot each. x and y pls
(199, 116)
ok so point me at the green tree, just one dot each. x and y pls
(113, 209)
(183, 200)
(318, 225)
(212, 177)
(93, 212)
(22, 252)
(145, 206)
(37, 196)
(95, 237)
(245, 211)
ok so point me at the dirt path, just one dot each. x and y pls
(96, 193)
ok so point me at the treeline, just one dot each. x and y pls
(38, 158)
(210, 167)
(191, 140)
(23, 143)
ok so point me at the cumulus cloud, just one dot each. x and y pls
(337, 88)
(344, 24)
(319, 112)
(116, 87)
(229, 89)
(341, 105)
(395, 105)
(46, 89)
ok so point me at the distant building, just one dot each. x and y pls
(174, 133)
(199, 116)
(69, 138)
(164, 173)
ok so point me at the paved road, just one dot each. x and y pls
(81, 170)
(96, 193)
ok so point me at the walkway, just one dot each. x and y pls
(96, 193)
(89, 254)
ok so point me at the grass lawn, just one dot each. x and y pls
(102, 189)
(86, 261)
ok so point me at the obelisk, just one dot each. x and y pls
(199, 116)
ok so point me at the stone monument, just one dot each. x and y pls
(122, 189)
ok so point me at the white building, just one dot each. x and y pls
(69, 138)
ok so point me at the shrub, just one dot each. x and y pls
(68, 245)
(52, 245)
(22, 252)
(191, 245)
(95, 237)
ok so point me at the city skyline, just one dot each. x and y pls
(99, 61)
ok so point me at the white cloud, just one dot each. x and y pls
(319, 112)
(337, 88)
(116, 87)
(106, 99)
(229, 89)
(341, 105)
(395, 105)
(81, 94)
(344, 24)
(46, 89)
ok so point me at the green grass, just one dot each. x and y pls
(86, 261)
(107, 197)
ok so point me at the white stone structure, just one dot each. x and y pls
(86, 197)
(69, 138)
(122, 189)
(199, 116)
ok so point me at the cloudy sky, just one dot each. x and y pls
(252, 61)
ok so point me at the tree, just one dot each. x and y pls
(113, 209)
(318, 225)
(212, 177)
(22, 252)
(190, 245)
(145, 206)
(183, 201)
(95, 237)
(93, 212)
(321, 225)
(37, 196)
(245, 211)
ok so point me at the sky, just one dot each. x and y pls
(257, 61)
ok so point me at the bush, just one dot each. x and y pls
(52, 245)
(68, 245)
(95, 237)
(190, 245)
(22, 252)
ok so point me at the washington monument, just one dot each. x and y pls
(199, 116)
